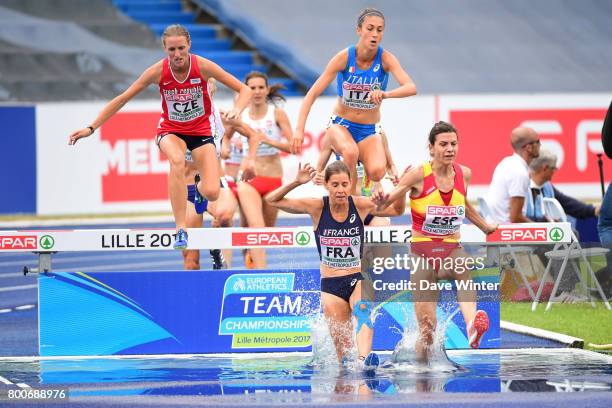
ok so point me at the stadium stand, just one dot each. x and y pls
(91, 49)
(80, 50)
(458, 46)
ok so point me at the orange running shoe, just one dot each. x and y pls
(477, 328)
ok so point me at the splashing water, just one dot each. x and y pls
(404, 355)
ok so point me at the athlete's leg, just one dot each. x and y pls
(338, 315)
(223, 212)
(191, 257)
(343, 143)
(425, 304)
(476, 321)
(372, 155)
(466, 297)
(174, 149)
(362, 310)
(205, 158)
(252, 206)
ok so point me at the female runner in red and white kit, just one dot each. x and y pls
(185, 120)
(274, 127)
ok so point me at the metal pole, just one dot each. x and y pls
(601, 174)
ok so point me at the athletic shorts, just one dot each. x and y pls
(193, 142)
(231, 184)
(433, 248)
(358, 131)
(264, 185)
(341, 286)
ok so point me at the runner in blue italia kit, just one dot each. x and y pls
(361, 72)
(340, 245)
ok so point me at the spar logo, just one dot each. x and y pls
(535, 234)
(302, 238)
(18, 242)
(574, 135)
(443, 211)
(47, 242)
(262, 238)
(556, 234)
(135, 169)
(335, 241)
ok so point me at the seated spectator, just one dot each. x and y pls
(542, 170)
(510, 184)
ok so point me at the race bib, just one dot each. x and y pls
(443, 220)
(340, 252)
(185, 107)
(356, 95)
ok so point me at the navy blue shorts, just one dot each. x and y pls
(192, 142)
(341, 286)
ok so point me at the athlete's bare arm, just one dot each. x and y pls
(365, 206)
(407, 87)
(150, 76)
(209, 69)
(311, 206)
(470, 212)
(410, 182)
(335, 65)
(391, 168)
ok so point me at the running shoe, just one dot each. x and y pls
(218, 260)
(200, 206)
(199, 201)
(181, 239)
(477, 328)
(370, 363)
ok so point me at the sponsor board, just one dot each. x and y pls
(552, 233)
(265, 311)
(227, 238)
(171, 312)
(18, 242)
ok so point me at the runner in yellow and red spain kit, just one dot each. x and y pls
(438, 204)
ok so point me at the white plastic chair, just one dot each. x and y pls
(565, 253)
(511, 251)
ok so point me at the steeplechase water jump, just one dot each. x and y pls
(335, 238)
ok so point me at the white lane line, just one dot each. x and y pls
(88, 258)
(117, 267)
(11, 275)
(5, 310)
(5, 381)
(22, 287)
(23, 385)
(24, 307)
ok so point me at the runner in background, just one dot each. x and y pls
(185, 119)
(224, 208)
(361, 72)
(265, 115)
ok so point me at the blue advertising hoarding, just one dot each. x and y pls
(18, 164)
(172, 312)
